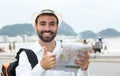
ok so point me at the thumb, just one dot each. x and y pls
(44, 50)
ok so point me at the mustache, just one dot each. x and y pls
(51, 32)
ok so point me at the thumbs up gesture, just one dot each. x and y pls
(48, 60)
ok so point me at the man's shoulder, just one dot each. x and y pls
(35, 47)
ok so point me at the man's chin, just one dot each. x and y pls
(47, 40)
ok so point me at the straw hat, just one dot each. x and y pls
(59, 16)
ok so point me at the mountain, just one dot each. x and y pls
(87, 34)
(20, 29)
(109, 33)
(17, 29)
(106, 33)
(66, 30)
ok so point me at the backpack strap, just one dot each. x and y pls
(30, 54)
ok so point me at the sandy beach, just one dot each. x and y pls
(104, 69)
(102, 65)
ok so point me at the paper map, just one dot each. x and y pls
(66, 56)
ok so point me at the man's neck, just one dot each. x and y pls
(49, 45)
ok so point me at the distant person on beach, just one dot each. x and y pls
(2, 49)
(105, 46)
(97, 47)
(46, 24)
(85, 41)
(10, 46)
(14, 46)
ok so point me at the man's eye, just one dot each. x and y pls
(42, 23)
(52, 24)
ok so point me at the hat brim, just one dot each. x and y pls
(59, 16)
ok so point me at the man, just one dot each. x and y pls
(46, 24)
(97, 46)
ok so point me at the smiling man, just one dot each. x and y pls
(46, 24)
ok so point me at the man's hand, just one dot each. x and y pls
(48, 60)
(82, 60)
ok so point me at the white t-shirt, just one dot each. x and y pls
(24, 67)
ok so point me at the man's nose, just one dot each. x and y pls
(47, 27)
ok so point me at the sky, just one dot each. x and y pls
(82, 15)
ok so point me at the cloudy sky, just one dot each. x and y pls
(82, 15)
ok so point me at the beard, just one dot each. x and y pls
(46, 38)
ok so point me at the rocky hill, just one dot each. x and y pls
(109, 33)
(106, 33)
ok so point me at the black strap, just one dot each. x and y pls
(30, 54)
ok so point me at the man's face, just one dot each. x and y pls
(46, 28)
